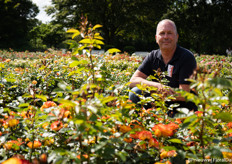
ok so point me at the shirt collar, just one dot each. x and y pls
(175, 56)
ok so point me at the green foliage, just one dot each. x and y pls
(20, 14)
(74, 108)
(44, 36)
(129, 49)
(197, 32)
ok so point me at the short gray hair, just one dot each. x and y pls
(170, 21)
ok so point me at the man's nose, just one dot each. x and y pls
(166, 35)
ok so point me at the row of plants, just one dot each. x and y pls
(74, 108)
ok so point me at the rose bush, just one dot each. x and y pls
(74, 108)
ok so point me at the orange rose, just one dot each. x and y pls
(145, 135)
(153, 143)
(128, 140)
(13, 160)
(57, 125)
(158, 133)
(13, 144)
(8, 60)
(45, 125)
(37, 144)
(48, 104)
(34, 82)
(135, 135)
(124, 128)
(199, 113)
(229, 125)
(163, 154)
(13, 122)
(172, 153)
(166, 130)
(227, 155)
(173, 126)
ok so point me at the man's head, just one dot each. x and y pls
(166, 35)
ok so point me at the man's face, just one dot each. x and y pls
(166, 36)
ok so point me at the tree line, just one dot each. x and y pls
(204, 26)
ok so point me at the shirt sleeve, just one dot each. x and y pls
(146, 66)
(187, 68)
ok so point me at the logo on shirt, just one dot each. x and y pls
(170, 70)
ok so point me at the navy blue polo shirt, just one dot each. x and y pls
(178, 69)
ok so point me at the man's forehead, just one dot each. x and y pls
(165, 26)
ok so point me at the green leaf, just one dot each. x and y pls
(108, 99)
(97, 26)
(224, 116)
(113, 50)
(214, 152)
(74, 63)
(23, 105)
(75, 34)
(230, 96)
(86, 41)
(175, 140)
(74, 58)
(220, 82)
(42, 97)
(97, 46)
(189, 120)
(98, 41)
(169, 148)
(72, 30)
(122, 155)
(10, 80)
(98, 37)
(78, 122)
(14, 86)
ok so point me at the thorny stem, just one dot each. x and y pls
(80, 142)
(202, 127)
(32, 126)
(92, 65)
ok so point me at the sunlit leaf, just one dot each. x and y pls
(10, 80)
(220, 82)
(108, 99)
(97, 46)
(78, 122)
(175, 140)
(86, 41)
(98, 42)
(98, 37)
(97, 26)
(23, 105)
(42, 97)
(75, 34)
(169, 148)
(113, 50)
(72, 30)
(224, 116)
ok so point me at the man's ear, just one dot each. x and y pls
(155, 38)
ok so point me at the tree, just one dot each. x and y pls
(124, 21)
(204, 26)
(17, 18)
(47, 35)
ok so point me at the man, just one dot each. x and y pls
(177, 61)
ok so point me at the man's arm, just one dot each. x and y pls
(139, 77)
(184, 87)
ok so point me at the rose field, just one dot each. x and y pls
(74, 108)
